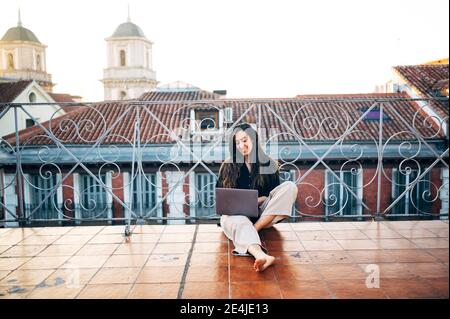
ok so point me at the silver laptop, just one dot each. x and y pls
(235, 201)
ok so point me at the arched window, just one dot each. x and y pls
(123, 95)
(38, 62)
(123, 58)
(32, 97)
(10, 61)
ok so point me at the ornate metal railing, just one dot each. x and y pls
(137, 161)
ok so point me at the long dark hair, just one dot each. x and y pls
(263, 167)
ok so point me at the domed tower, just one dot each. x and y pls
(22, 57)
(129, 71)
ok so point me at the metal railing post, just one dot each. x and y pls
(378, 215)
(21, 218)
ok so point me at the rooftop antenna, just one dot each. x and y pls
(19, 22)
(128, 19)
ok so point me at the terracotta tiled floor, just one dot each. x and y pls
(313, 260)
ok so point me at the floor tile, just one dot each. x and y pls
(305, 226)
(207, 274)
(330, 257)
(255, 290)
(127, 261)
(411, 255)
(395, 244)
(15, 292)
(179, 229)
(71, 277)
(338, 226)
(85, 230)
(7, 264)
(60, 250)
(354, 289)
(439, 253)
(211, 247)
(212, 259)
(176, 238)
(440, 286)
(348, 234)
(321, 245)
(440, 232)
(291, 257)
(143, 238)
(389, 270)
(371, 256)
(399, 288)
(107, 239)
(341, 271)
(134, 249)
(381, 233)
(119, 230)
(304, 289)
(115, 276)
(416, 233)
(38, 240)
(52, 231)
(85, 262)
(167, 260)
(116, 291)
(358, 244)
(278, 235)
(428, 270)
(171, 274)
(55, 292)
(210, 237)
(171, 248)
(279, 245)
(154, 291)
(45, 262)
(23, 251)
(26, 277)
(297, 272)
(431, 242)
(97, 249)
(313, 235)
(73, 240)
(206, 290)
(148, 229)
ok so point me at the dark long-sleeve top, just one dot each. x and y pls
(245, 181)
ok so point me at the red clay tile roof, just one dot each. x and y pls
(9, 91)
(343, 113)
(428, 80)
(178, 95)
(65, 98)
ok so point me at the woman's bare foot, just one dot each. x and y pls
(262, 263)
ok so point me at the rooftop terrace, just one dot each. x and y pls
(314, 260)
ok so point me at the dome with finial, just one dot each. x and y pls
(128, 29)
(19, 33)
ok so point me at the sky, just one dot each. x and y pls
(249, 48)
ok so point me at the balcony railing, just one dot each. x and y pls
(137, 161)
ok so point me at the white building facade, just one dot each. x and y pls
(23, 57)
(129, 71)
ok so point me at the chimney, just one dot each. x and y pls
(223, 93)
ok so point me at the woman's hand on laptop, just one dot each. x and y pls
(261, 200)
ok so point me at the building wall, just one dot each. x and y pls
(41, 113)
(25, 61)
(136, 76)
(309, 191)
